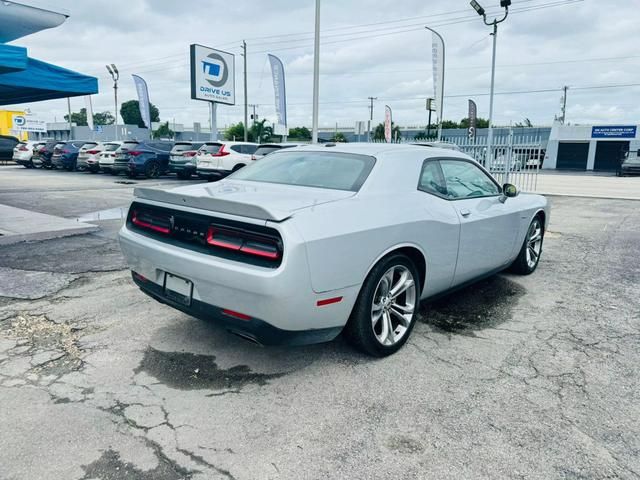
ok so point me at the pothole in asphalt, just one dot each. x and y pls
(190, 371)
(54, 346)
(484, 304)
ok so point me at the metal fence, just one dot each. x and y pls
(515, 159)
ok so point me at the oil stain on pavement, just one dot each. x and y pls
(190, 371)
(484, 304)
(111, 466)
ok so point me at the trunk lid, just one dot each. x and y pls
(262, 201)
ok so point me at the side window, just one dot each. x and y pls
(431, 179)
(465, 180)
(237, 148)
(249, 149)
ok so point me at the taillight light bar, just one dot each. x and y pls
(144, 220)
(135, 153)
(263, 247)
(189, 154)
(221, 152)
(92, 152)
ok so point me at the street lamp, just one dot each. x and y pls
(115, 75)
(480, 11)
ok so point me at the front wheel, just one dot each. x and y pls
(529, 256)
(385, 311)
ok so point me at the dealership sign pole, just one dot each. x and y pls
(212, 79)
(473, 118)
(277, 72)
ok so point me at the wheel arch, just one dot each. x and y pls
(415, 254)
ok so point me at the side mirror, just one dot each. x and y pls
(508, 191)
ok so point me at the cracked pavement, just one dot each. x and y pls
(515, 377)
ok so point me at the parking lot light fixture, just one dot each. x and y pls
(115, 75)
(481, 11)
(478, 8)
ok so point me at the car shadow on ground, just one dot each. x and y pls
(482, 305)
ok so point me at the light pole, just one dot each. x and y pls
(115, 75)
(478, 8)
(440, 100)
(371, 99)
(316, 76)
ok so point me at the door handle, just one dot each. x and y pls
(464, 212)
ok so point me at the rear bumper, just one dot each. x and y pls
(181, 167)
(255, 329)
(280, 302)
(212, 173)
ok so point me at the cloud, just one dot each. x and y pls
(377, 58)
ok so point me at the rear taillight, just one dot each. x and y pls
(135, 153)
(66, 151)
(256, 245)
(160, 224)
(93, 152)
(220, 153)
(23, 149)
(189, 154)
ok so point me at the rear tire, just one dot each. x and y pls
(152, 170)
(381, 320)
(527, 260)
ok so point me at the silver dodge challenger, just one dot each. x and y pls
(315, 240)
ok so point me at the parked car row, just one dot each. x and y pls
(148, 158)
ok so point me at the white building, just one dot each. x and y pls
(590, 147)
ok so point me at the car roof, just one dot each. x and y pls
(283, 144)
(380, 149)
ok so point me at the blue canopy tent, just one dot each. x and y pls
(24, 79)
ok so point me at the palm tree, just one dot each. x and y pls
(378, 133)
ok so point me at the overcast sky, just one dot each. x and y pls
(369, 48)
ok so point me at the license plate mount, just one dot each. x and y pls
(178, 289)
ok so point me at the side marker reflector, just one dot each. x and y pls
(328, 301)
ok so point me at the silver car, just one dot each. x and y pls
(314, 240)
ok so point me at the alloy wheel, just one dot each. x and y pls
(534, 243)
(394, 303)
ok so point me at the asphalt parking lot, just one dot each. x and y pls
(515, 377)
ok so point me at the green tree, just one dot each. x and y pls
(449, 124)
(300, 133)
(130, 112)
(99, 118)
(526, 123)
(480, 123)
(339, 137)
(261, 132)
(236, 132)
(163, 131)
(378, 133)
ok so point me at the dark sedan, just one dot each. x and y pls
(65, 154)
(148, 158)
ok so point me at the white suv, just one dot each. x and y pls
(108, 155)
(218, 159)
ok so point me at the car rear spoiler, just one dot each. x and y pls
(211, 204)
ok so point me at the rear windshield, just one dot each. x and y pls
(267, 149)
(182, 147)
(336, 171)
(59, 145)
(213, 148)
(111, 147)
(21, 144)
(129, 145)
(86, 146)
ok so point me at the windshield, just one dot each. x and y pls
(111, 147)
(336, 171)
